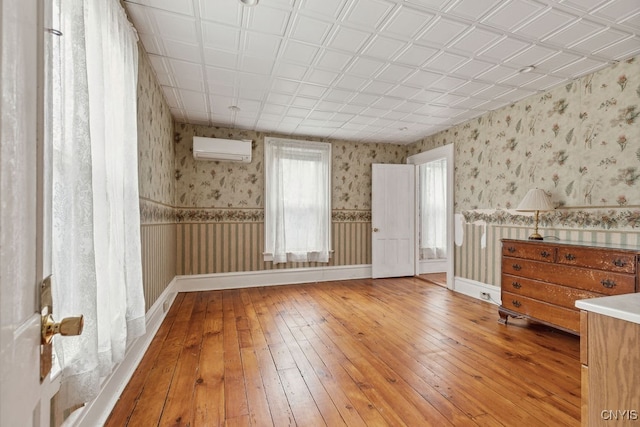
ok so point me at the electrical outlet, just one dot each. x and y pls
(485, 295)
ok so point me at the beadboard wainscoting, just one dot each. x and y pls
(478, 258)
(224, 247)
(158, 259)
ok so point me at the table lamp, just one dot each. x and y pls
(535, 200)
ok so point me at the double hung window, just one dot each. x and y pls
(297, 201)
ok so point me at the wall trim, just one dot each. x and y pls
(251, 279)
(473, 288)
(97, 411)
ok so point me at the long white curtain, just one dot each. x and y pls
(433, 209)
(97, 265)
(297, 201)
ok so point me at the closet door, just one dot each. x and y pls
(392, 219)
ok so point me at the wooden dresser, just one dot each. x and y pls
(541, 280)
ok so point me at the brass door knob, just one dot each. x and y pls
(69, 326)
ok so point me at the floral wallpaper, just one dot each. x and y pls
(155, 139)
(223, 185)
(579, 142)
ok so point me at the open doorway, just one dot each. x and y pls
(434, 215)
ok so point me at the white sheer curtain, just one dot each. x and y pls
(297, 201)
(433, 209)
(97, 266)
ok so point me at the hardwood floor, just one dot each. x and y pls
(437, 278)
(398, 352)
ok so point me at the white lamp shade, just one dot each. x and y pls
(535, 200)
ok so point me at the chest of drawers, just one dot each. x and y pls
(541, 280)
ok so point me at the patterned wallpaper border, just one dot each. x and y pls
(188, 215)
(605, 219)
(156, 213)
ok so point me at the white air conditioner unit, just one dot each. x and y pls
(224, 150)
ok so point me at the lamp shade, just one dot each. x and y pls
(535, 200)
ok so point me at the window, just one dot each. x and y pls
(297, 201)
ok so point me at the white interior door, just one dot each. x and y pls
(24, 262)
(393, 220)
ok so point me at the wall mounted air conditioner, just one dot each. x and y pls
(224, 150)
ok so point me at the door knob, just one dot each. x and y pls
(375, 230)
(69, 326)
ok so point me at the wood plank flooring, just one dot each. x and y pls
(384, 352)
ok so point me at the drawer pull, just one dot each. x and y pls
(545, 254)
(516, 303)
(609, 284)
(511, 249)
(516, 285)
(517, 267)
(619, 262)
(569, 257)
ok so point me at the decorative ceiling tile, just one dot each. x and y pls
(406, 23)
(337, 62)
(442, 31)
(368, 14)
(327, 8)
(546, 23)
(513, 13)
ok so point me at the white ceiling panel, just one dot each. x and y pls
(476, 39)
(395, 73)
(364, 69)
(546, 23)
(442, 31)
(575, 33)
(532, 56)
(219, 36)
(584, 5)
(407, 22)
(473, 9)
(220, 58)
(218, 11)
(184, 8)
(310, 30)
(560, 60)
(348, 39)
(504, 48)
(618, 10)
(176, 27)
(416, 55)
(179, 50)
(473, 68)
(623, 49)
(513, 13)
(446, 61)
(327, 8)
(600, 41)
(269, 20)
(368, 14)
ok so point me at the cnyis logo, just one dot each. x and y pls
(619, 415)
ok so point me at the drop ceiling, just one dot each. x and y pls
(372, 70)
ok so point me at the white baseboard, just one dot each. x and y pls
(473, 289)
(432, 266)
(96, 412)
(251, 279)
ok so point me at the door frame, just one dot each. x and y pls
(447, 152)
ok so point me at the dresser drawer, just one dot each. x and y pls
(542, 311)
(599, 281)
(559, 295)
(534, 251)
(622, 262)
